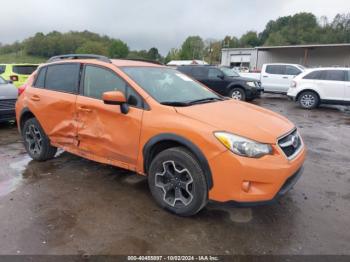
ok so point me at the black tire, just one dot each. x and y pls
(36, 141)
(165, 167)
(308, 100)
(237, 93)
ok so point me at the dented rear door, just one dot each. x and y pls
(52, 101)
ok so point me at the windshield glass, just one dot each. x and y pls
(168, 85)
(229, 72)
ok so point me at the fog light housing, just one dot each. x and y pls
(246, 186)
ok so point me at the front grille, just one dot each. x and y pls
(291, 144)
(7, 104)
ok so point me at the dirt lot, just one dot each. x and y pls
(73, 206)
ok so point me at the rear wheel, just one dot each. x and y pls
(308, 100)
(36, 141)
(177, 182)
(238, 94)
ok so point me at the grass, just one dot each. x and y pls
(20, 58)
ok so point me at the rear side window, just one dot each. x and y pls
(2, 69)
(40, 80)
(276, 69)
(334, 75)
(24, 70)
(292, 70)
(200, 71)
(313, 75)
(63, 77)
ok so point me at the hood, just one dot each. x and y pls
(8, 91)
(240, 118)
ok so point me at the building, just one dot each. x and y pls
(307, 55)
(186, 62)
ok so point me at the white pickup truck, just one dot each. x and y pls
(276, 78)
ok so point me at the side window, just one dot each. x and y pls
(133, 98)
(348, 75)
(334, 75)
(313, 75)
(98, 80)
(199, 71)
(292, 70)
(2, 69)
(63, 77)
(40, 80)
(276, 69)
(214, 73)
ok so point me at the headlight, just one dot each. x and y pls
(252, 84)
(243, 146)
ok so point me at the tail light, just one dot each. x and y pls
(21, 89)
(14, 78)
(293, 84)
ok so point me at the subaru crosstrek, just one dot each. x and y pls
(193, 144)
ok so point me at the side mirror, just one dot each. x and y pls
(116, 98)
(221, 76)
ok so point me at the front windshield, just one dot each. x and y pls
(168, 85)
(229, 72)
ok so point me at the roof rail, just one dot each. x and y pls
(142, 60)
(79, 56)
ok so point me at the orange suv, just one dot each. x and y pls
(193, 144)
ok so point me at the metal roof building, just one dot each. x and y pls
(307, 55)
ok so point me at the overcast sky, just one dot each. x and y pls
(146, 23)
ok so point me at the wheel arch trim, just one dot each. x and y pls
(147, 152)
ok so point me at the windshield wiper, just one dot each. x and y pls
(204, 100)
(174, 103)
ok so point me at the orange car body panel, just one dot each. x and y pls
(92, 129)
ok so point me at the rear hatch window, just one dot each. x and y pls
(24, 69)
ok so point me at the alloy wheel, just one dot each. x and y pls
(33, 139)
(237, 95)
(176, 183)
(307, 100)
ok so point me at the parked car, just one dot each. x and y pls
(321, 86)
(225, 83)
(276, 78)
(193, 144)
(17, 73)
(8, 97)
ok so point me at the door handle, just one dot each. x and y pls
(35, 98)
(285, 77)
(84, 109)
(265, 76)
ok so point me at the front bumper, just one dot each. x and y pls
(269, 177)
(7, 115)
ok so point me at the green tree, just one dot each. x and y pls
(153, 54)
(173, 54)
(93, 47)
(249, 39)
(118, 49)
(192, 48)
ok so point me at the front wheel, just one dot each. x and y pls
(36, 141)
(308, 100)
(238, 94)
(177, 182)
